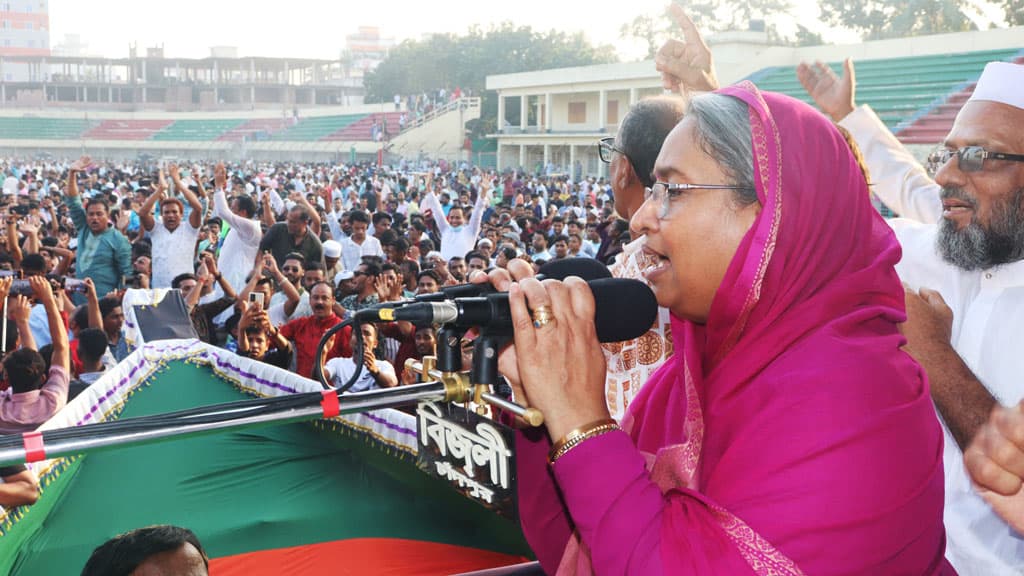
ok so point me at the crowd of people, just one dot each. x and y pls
(268, 257)
(822, 392)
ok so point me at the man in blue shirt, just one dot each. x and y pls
(104, 254)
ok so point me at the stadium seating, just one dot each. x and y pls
(363, 129)
(254, 130)
(126, 129)
(196, 130)
(931, 126)
(899, 89)
(28, 128)
(316, 127)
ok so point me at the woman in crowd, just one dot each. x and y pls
(789, 433)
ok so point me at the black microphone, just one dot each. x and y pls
(613, 320)
(585, 268)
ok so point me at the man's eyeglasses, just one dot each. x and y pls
(606, 147)
(662, 193)
(969, 158)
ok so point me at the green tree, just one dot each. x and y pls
(1014, 10)
(648, 29)
(805, 37)
(880, 19)
(721, 15)
(447, 60)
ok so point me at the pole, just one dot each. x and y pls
(29, 447)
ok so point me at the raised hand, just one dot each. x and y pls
(161, 184)
(81, 164)
(26, 226)
(19, 309)
(369, 361)
(41, 288)
(220, 176)
(270, 265)
(5, 286)
(246, 319)
(123, 219)
(210, 262)
(686, 64)
(834, 95)
(174, 172)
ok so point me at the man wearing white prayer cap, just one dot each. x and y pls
(963, 262)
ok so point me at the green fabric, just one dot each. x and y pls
(243, 491)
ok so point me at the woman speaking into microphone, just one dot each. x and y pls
(788, 434)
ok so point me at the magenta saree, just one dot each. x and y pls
(788, 435)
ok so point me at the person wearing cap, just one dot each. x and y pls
(332, 258)
(486, 247)
(345, 285)
(963, 263)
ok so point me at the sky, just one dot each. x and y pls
(317, 28)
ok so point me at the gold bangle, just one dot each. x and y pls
(577, 436)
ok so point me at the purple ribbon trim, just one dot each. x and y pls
(227, 366)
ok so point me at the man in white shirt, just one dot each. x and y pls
(359, 244)
(242, 243)
(457, 237)
(965, 304)
(376, 373)
(174, 244)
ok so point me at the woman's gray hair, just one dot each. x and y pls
(723, 130)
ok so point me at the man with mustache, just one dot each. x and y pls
(174, 237)
(306, 332)
(963, 263)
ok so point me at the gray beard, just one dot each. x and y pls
(977, 247)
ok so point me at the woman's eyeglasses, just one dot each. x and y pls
(662, 193)
(969, 158)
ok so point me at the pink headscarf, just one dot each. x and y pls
(792, 416)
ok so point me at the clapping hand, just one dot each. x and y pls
(210, 262)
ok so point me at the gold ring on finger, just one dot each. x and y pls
(542, 316)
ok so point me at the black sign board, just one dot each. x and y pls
(473, 453)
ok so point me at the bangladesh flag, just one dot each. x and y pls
(339, 496)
